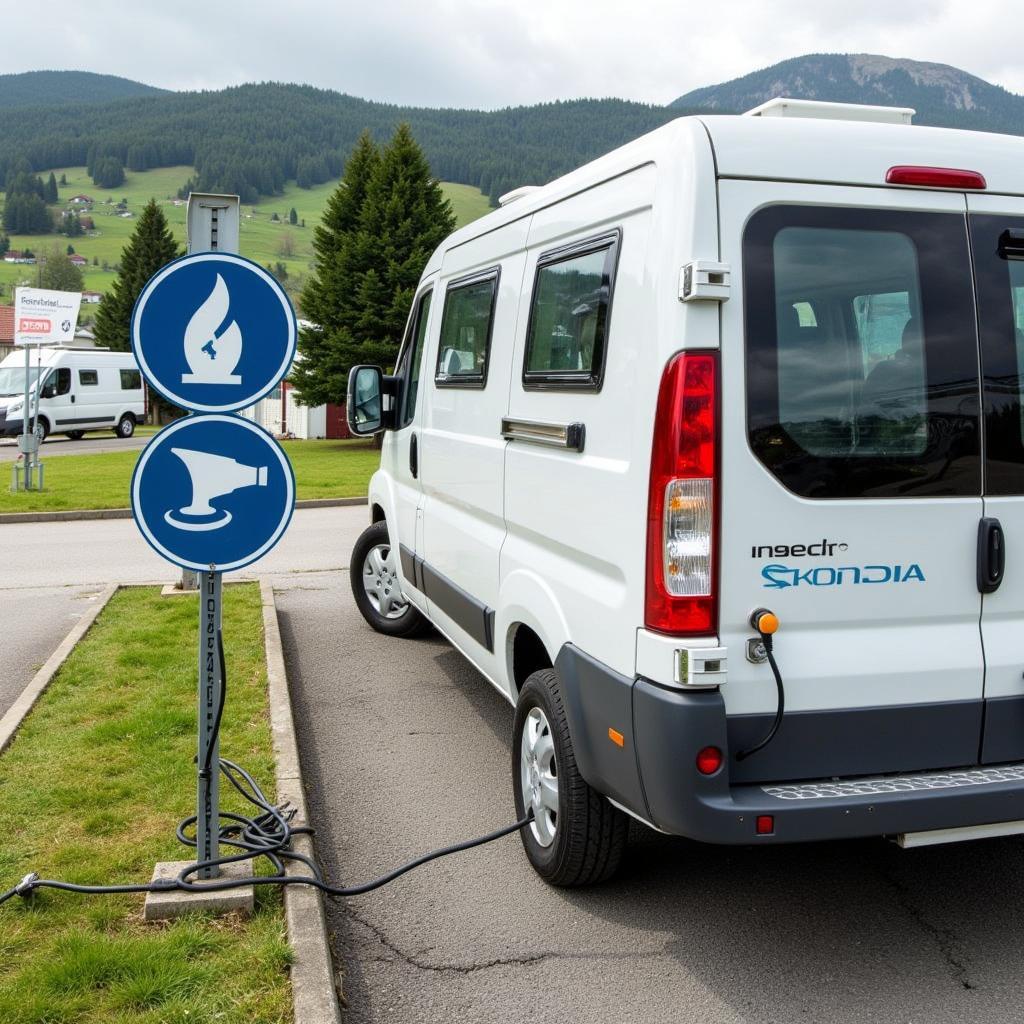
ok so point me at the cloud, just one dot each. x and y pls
(491, 53)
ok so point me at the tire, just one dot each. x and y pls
(375, 586)
(583, 841)
(75, 435)
(125, 426)
(42, 428)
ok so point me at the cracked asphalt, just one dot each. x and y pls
(406, 748)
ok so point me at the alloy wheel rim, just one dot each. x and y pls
(539, 775)
(380, 581)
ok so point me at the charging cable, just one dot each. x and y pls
(767, 623)
(268, 834)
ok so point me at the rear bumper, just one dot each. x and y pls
(654, 773)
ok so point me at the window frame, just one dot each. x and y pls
(575, 380)
(405, 356)
(475, 381)
(951, 465)
(138, 373)
(83, 383)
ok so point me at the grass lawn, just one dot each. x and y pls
(91, 790)
(261, 238)
(323, 469)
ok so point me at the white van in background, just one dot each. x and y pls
(742, 373)
(82, 389)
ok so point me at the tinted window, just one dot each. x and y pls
(861, 351)
(131, 380)
(414, 359)
(567, 335)
(88, 378)
(466, 331)
(999, 269)
(58, 383)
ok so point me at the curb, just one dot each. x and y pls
(126, 513)
(314, 989)
(41, 680)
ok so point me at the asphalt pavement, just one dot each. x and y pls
(405, 748)
(57, 444)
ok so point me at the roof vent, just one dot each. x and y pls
(782, 106)
(516, 193)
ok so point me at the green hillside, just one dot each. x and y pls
(262, 239)
(55, 88)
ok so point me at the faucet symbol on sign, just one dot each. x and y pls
(212, 356)
(212, 476)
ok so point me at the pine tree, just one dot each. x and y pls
(51, 189)
(380, 227)
(293, 216)
(151, 246)
(320, 375)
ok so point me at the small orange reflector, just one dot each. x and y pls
(616, 737)
(765, 824)
(767, 622)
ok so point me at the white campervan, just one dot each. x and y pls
(742, 374)
(82, 389)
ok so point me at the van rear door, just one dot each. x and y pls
(851, 478)
(997, 242)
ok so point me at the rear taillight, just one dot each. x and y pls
(681, 503)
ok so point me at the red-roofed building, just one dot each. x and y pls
(6, 330)
(78, 261)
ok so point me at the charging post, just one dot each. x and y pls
(212, 492)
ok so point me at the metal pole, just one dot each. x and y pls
(211, 687)
(26, 453)
(35, 416)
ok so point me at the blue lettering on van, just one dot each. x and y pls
(779, 577)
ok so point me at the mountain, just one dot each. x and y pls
(53, 88)
(251, 139)
(941, 95)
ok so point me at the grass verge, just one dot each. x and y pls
(323, 469)
(91, 790)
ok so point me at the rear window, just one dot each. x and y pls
(861, 351)
(131, 380)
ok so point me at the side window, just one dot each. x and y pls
(131, 380)
(58, 383)
(466, 326)
(862, 380)
(414, 359)
(568, 332)
(88, 378)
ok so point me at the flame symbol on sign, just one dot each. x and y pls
(212, 356)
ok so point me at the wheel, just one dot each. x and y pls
(42, 428)
(75, 435)
(125, 425)
(576, 837)
(376, 588)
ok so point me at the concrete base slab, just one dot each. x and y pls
(165, 906)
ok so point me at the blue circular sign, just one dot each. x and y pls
(213, 332)
(213, 492)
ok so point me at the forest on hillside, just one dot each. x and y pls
(251, 139)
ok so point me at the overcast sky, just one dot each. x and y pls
(493, 53)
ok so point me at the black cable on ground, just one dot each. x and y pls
(268, 834)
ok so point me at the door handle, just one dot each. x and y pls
(991, 555)
(72, 398)
(414, 457)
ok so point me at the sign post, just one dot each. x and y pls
(212, 492)
(41, 317)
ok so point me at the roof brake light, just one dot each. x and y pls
(935, 177)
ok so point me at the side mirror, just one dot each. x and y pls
(49, 390)
(364, 408)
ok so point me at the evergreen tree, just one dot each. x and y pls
(321, 374)
(151, 246)
(60, 273)
(293, 217)
(404, 219)
(63, 180)
(51, 189)
(5, 242)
